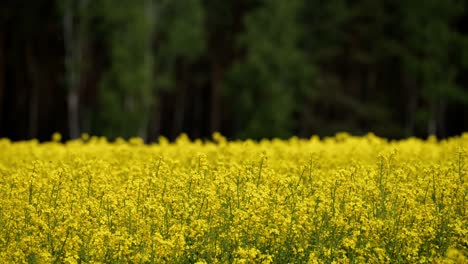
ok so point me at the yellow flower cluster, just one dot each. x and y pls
(342, 199)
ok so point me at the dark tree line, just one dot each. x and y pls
(246, 68)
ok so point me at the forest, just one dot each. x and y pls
(245, 68)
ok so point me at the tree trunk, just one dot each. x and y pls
(73, 41)
(442, 107)
(73, 116)
(179, 110)
(2, 79)
(145, 131)
(179, 106)
(306, 117)
(34, 94)
(216, 82)
(432, 121)
(155, 119)
(197, 114)
(366, 93)
(411, 106)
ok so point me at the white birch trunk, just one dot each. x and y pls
(73, 41)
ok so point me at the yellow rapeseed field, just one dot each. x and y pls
(342, 199)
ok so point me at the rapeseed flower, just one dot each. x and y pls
(341, 199)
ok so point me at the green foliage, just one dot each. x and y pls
(126, 87)
(346, 43)
(310, 66)
(267, 82)
(179, 37)
(428, 48)
(250, 68)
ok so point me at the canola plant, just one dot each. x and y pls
(342, 199)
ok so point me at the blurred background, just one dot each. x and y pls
(245, 68)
